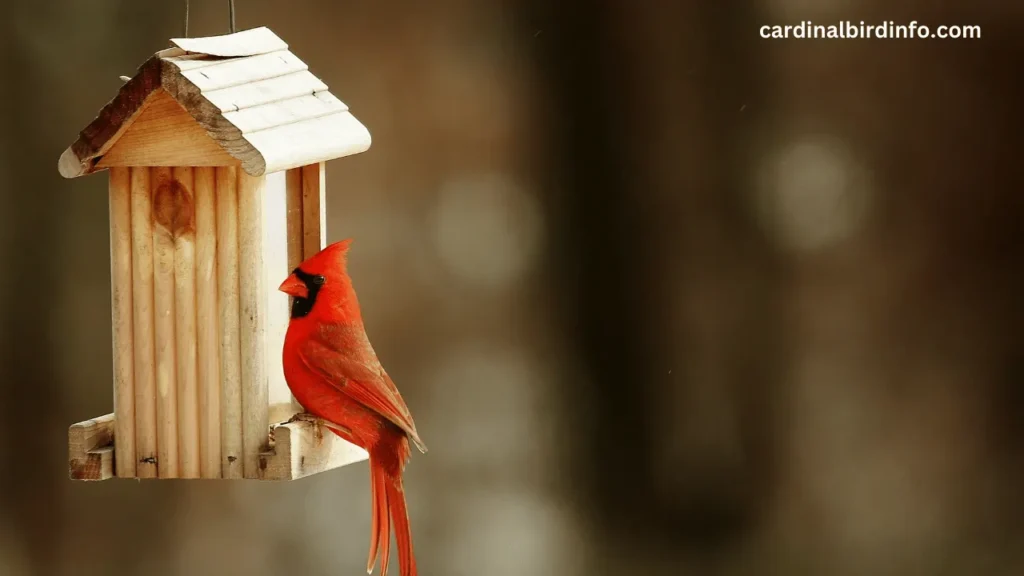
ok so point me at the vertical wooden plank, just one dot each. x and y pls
(275, 270)
(314, 209)
(184, 235)
(208, 369)
(252, 323)
(165, 193)
(293, 217)
(121, 320)
(230, 314)
(293, 196)
(142, 316)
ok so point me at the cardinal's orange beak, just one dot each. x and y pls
(294, 287)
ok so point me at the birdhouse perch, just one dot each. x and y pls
(215, 152)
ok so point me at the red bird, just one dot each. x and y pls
(334, 373)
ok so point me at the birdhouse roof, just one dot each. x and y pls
(252, 96)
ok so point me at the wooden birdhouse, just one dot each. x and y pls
(215, 155)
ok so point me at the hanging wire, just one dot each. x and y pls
(231, 16)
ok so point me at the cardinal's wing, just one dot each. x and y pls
(341, 353)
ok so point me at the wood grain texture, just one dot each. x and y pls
(230, 316)
(252, 324)
(223, 132)
(121, 318)
(165, 134)
(143, 329)
(185, 333)
(166, 195)
(207, 323)
(314, 209)
(91, 449)
(297, 452)
(293, 182)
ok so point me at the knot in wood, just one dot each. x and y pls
(174, 208)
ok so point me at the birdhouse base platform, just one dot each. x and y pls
(295, 449)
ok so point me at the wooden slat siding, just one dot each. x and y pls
(238, 71)
(230, 315)
(252, 325)
(164, 205)
(121, 319)
(245, 43)
(208, 370)
(142, 316)
(90, 449)
(185, 334)
(299, 109)
(314, 212)
(309, 141)
(165, 134)
(263, 92)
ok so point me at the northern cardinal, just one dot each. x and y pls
(335, 375)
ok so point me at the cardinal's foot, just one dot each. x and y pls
(317, 422)
(303, 417)
(318, 425)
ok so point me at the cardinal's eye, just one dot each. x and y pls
(319, 280)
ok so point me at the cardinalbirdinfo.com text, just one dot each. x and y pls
(854, 30)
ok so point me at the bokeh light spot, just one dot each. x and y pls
(486, 229)
(813, 194)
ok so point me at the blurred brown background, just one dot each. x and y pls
(664, 297)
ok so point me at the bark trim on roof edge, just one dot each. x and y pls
(80, 158)
(118, 114)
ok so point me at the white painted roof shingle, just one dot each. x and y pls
(253, 97)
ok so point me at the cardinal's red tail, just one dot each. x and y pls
(380, 531)
(400, 518)
(389, 509)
